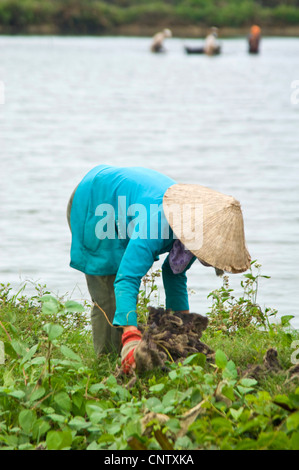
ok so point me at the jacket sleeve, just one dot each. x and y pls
(175, 286)
(136, 262)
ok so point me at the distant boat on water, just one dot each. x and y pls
(200, 50)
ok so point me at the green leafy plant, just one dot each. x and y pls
(228, 313)
(55, 394)
(148, 289)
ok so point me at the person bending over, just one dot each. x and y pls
(122, 219)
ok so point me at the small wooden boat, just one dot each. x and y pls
(194, 50)
(200, 50)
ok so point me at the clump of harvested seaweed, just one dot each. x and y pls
(170, 336)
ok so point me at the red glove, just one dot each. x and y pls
(130, 340)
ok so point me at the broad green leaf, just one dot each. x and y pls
(67, 352)
(26, 446)
(19, 347)
(98, 416)
(246, 444)
(17, 394)
(93, 446)
(27, 419)
(156, 388)
(259, 422)
(58, 440)
(285, 320)
(96, 411)
(73, 307)
(244, 390)
(171, 397)
(236, 413)
(78, 422)
(29, 354)
(132, 428)
(230, 372)
(183, 442)
(293, 421)
(50, 306)
(228, 392)
(221, 425)
(173, 424)
(273, 441)
(247, 382)
(57, 418)
(220, 359)
(196, 359)
(111, 381)
(294, 398)
(53, 331)
(154, 404)
(249, 276)
(37, 394)
(284, 402)
(10, 350)
(40, 428)
(95, 388)
(37, 361)
(8, 379)
(63, 401)
(173, 374)
(113, 428)
(295, 441)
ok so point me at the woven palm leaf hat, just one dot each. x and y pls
(209, 224)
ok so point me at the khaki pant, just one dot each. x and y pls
(106, 339)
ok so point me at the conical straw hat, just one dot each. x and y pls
(209, 224)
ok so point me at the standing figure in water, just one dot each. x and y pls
(254, 39)
(212, 46)
(158, 40)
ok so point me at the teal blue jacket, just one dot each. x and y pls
(119, 227)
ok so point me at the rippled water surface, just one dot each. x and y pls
(229, 122)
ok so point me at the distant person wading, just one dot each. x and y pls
(158, 40)
(211, 45)
(254, 39)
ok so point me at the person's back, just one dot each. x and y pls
(103, 212)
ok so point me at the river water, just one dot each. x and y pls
(229, 122)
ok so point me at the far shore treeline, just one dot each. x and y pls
(144, 17)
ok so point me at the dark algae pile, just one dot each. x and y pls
(170, 336)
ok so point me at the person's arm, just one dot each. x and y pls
(175, 286)
(136, 262)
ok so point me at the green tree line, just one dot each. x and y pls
(101, 17)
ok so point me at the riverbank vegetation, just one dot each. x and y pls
(55, 394)
(145, 16)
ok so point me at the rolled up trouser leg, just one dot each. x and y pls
(105, 337)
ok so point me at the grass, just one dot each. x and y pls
(55, 394)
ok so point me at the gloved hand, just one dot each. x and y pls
(130, 340)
